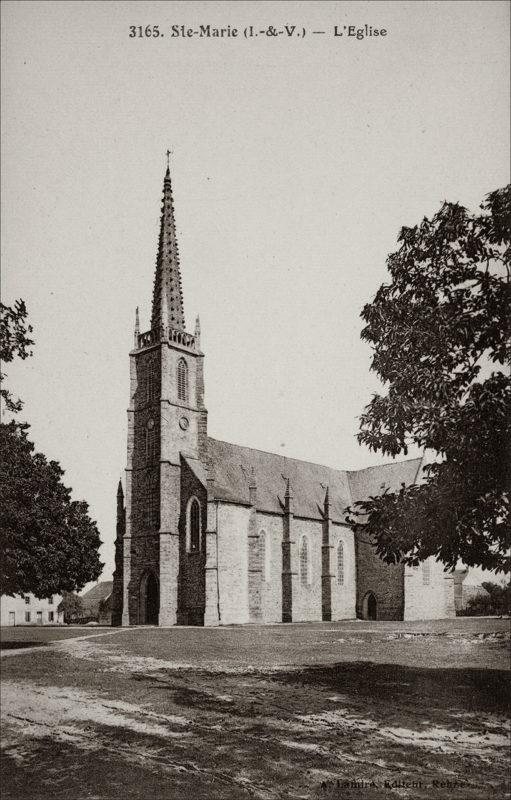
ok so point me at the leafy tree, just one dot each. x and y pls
(496, 602)
(48, 543)
(440, 337)
(71, 606)
(14, 342)
(500, 595)
(478, 606)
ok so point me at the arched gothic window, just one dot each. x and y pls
(340, 564)
(182, 380)
(265, 556)
(194, 525)
(426, 573)
(304, 562)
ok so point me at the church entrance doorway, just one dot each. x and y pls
(149, 599)
(369, 606)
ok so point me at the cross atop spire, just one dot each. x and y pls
(168, 309)
(168, 154)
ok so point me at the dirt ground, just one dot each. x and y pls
(328, 710)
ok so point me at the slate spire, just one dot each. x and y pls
(136, 330)
(168, 309)
(120, 505)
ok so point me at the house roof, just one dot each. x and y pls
(98, 592)
(233, 466)
(92, 599)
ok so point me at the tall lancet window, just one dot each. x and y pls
(426, 573)
(182, 380)
(340, 564)
(193, 524)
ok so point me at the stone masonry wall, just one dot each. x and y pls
(233, 524)
(307, 598)
(385, 581)
(191, 594)
(344, 595)
(428, 600)
(233, 527)
(143, 463)
(271, 586)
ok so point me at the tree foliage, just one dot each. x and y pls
(14, 342)
(71, 606)
(441, 346)
(496, 602)
(49, 543)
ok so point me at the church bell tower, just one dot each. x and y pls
(166, 421)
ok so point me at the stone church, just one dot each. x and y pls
(212, 533)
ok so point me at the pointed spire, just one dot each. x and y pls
(197, 333)
(288, 498)
(168, 309)
(136, 331)
(326, 507)
(252, 488)
(120, 503)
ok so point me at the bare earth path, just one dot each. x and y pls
(334, 710)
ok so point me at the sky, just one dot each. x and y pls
(295, 162)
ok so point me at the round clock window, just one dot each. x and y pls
(184, 423)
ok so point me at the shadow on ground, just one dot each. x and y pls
(17, 645)
(69, 771)
(463, 689)
(382, 692)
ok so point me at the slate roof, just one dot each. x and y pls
(98, 592)
(233, 465)
(371, 482)
(92, 598)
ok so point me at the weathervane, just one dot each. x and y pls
(168, 154)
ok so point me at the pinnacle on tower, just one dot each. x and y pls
(168, 309)
(197, 333)
(137, 328)
(120, 499)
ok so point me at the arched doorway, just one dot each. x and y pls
(149, 599)
(369, 606)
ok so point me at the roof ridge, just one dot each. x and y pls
(315, 463)
(386, 464)
(278, 455)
